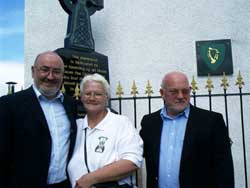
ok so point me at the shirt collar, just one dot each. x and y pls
(164, 114)
(101, 125)
(40, 96)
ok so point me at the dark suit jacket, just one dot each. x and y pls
(206, 160)
(25, 141)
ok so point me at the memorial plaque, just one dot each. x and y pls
(78, 64)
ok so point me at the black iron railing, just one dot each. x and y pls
(233, 105)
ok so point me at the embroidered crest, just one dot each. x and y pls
(100, 147)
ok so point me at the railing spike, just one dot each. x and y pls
(63, 90)
(134, 91)
(224, 81)
(239, 81)
(149, 90)
(209, 85)
(77, 92)
(119, 90)
(194, 85)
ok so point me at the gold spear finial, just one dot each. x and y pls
(149, 90)
(63, 90)
(194, 85)
(240, 81)
(224, 81)
(77, 92)
(134, 90)
(119, 90)
(209, 85)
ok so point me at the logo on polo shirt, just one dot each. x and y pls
(100, 147)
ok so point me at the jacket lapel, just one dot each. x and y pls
(189, 135)
(31, 104)
(156, 137)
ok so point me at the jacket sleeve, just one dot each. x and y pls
(5, 141)
(224, 171)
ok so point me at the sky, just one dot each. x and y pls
(11, 44)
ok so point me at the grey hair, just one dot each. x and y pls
(98, 78)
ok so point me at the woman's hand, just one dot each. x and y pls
(84, 182)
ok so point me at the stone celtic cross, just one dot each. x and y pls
(79, 33)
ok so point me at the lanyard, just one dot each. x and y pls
(85, 150)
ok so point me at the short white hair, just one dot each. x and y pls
(97, 78)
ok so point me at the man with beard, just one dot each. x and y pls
(37, 129)
(185, 146)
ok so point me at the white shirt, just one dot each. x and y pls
(114, 138)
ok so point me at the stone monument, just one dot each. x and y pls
(79, 53)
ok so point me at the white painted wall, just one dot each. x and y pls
(145, 39)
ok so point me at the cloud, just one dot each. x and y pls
(11, 71)
(7, 31)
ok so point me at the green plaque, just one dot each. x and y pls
(214, 57)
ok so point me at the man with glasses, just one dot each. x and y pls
(185, 146)
(37, 129)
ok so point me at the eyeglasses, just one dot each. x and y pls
(46, 70)
(175, 92)
(94, 94)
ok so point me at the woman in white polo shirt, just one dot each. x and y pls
(108, 148)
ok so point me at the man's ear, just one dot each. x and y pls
(161, 92)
